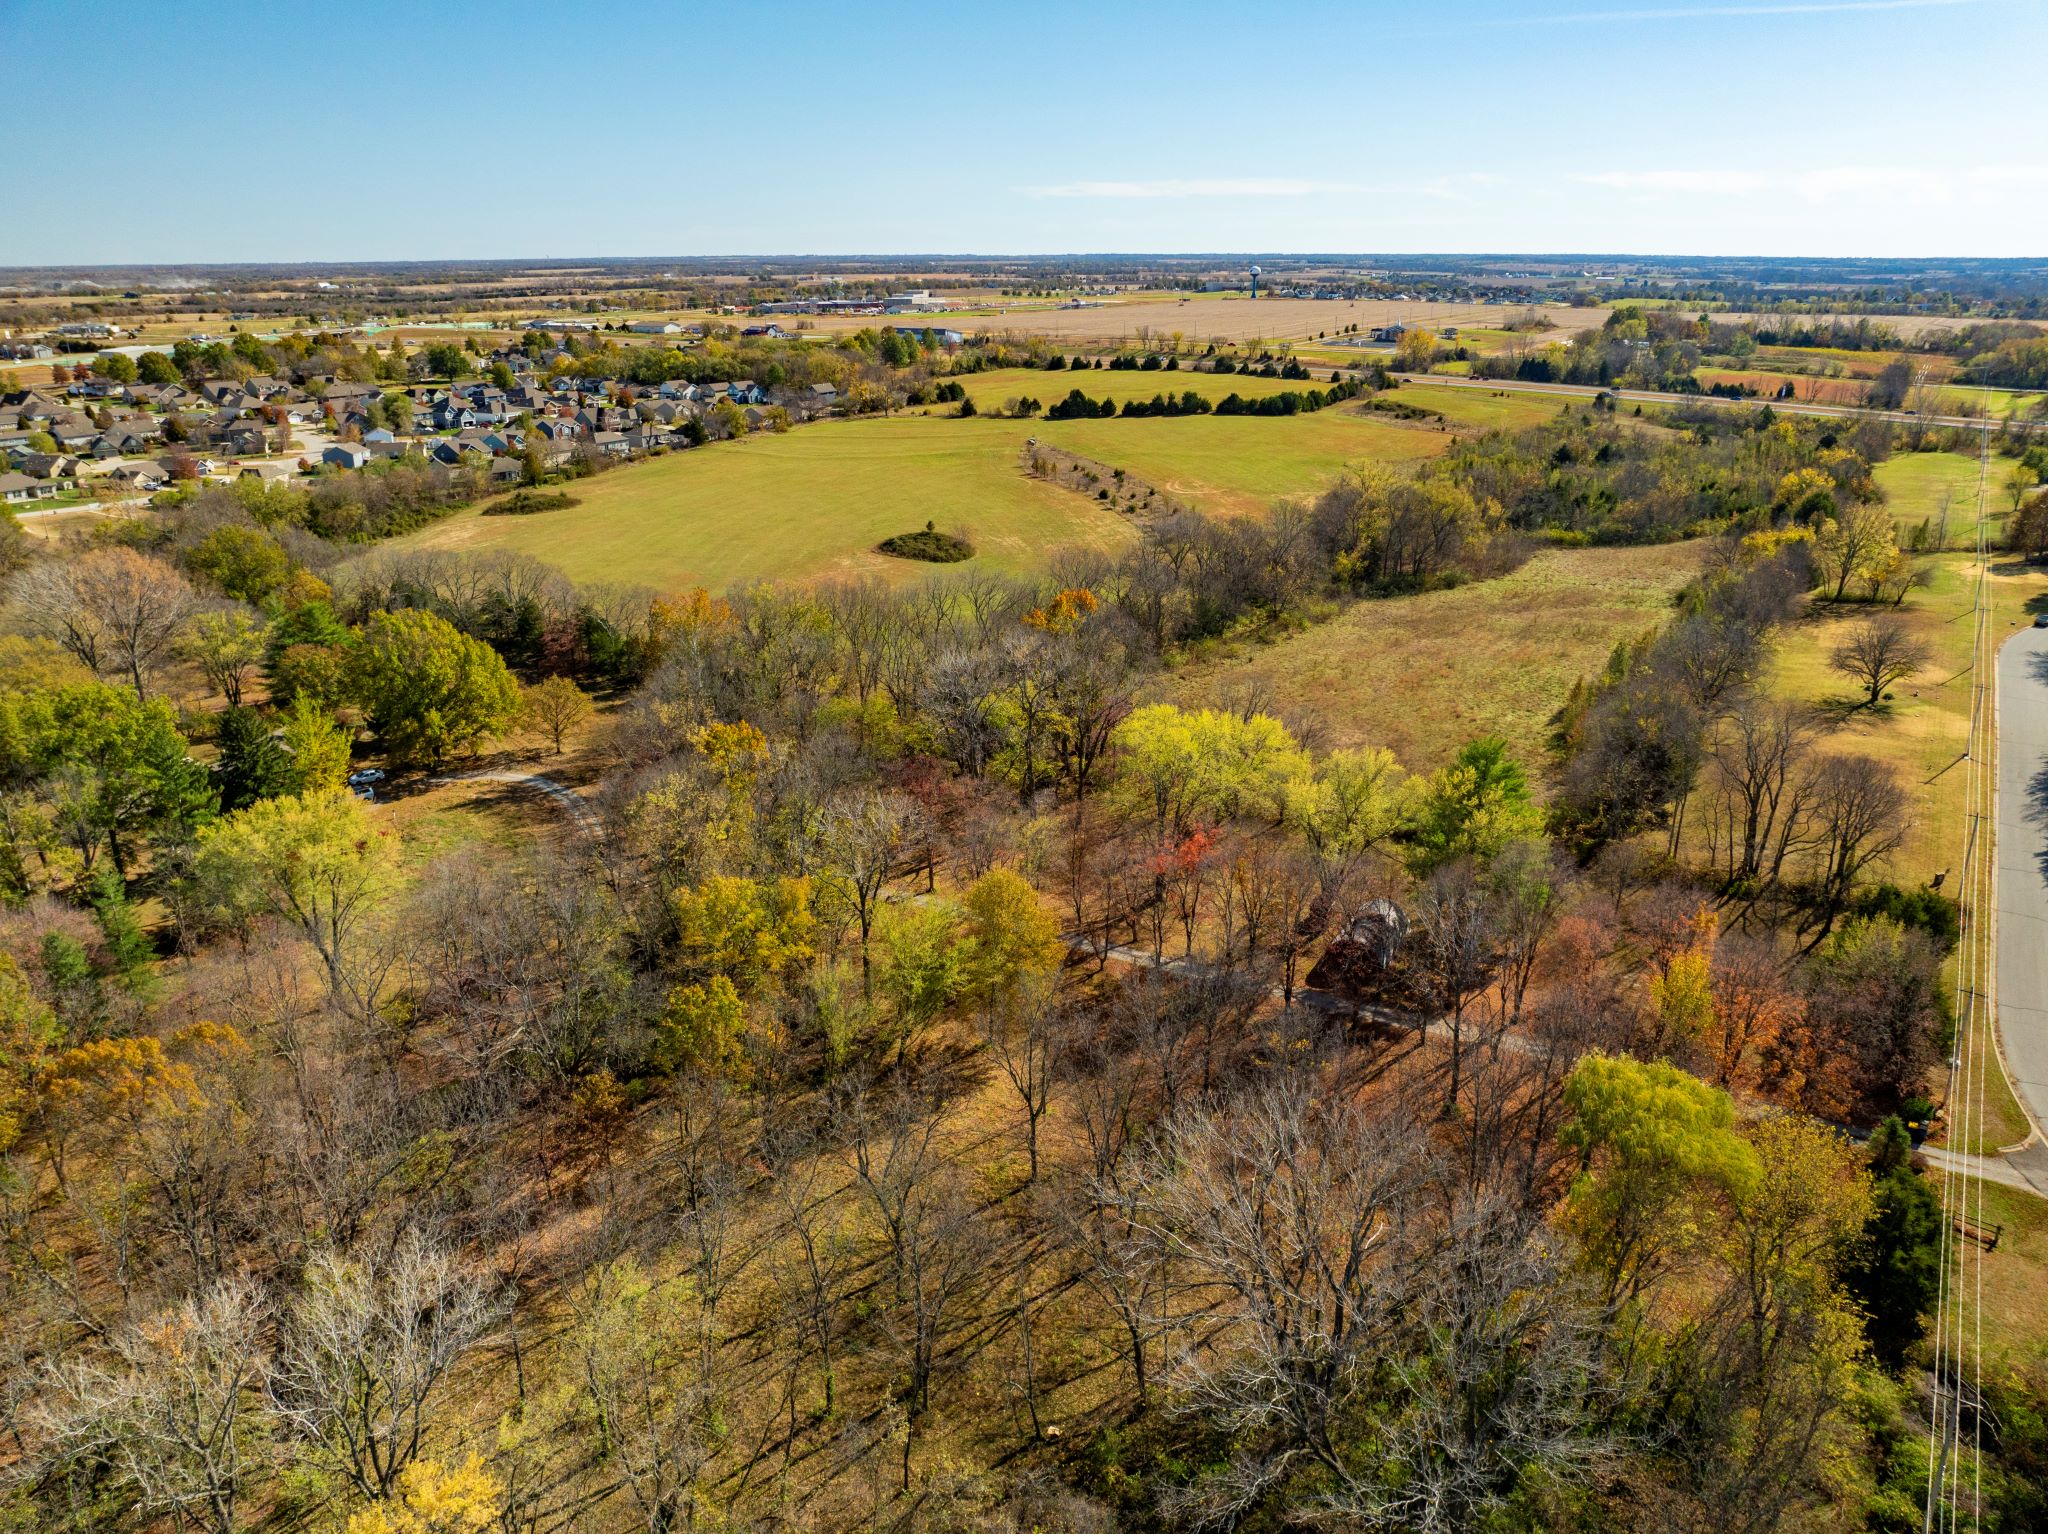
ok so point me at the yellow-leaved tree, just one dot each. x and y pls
(434, 1499)
(1182, 766)
(553, 707)
(1683, 995)
(1352, 804)
(314, 859)
(318, 745)
(1011, 936)
(748, 930)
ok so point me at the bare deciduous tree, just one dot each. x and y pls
(1861, 817)
(118, 611)
(808, 1196)
(632, 1348)
(1878, 652)
(1759, 769)
(174, 1413)
(364, 1348)
(936, 1243)
(1405, 1352)
(864, 838)
(1456, 915)
(1027, 1041)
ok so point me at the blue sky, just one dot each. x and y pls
(367, 131)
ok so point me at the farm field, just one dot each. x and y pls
(804, 505)
(1969, 399)
(1482, 410)
(1240, 464)
(1857, 364)
(1906, 325)
(1952, 399)
(1805, 386)
(1493, 657)
(813, 502)
(1212, 317)
(988, 390)
(1468, 407)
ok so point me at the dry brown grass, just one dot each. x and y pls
(1122, 319)
(1421, 675)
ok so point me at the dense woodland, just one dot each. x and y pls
(927, 1084)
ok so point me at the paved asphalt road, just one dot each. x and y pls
(2022, 900)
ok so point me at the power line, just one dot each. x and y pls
(1954, 1331)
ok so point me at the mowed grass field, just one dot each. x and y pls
(1239, 465)
(1917, 485)
(1920, 732)
(1484, 409)
(812, 503)
(1466, 407)
(1422, 675)
(990, 390)
(804, 505)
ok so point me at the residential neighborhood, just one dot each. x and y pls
(95, 434)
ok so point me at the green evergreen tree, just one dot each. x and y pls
(252, 764)
(1895, 1272)
(181, 796)
(131, 956)
(73, 986)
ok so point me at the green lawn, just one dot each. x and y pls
(989, 390)
(802, 505)
(1422, 675)
(1241, 464)
(1478, 408)
(813, 502)
(1235, 464)
(1915, 484)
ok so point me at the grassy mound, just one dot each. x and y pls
(932, 546)
(525, 502)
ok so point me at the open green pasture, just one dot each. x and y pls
(803, 505)
(812, 503)
(1241, 464)
(990, 390)
(1482, 408)
(1917, 485)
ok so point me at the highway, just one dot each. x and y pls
(2021, 896)
(1653, 397)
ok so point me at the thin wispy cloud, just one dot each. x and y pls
(1824, 182)
(1254, 186)
(1712, 12)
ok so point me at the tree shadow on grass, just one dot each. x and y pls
(1834, 713)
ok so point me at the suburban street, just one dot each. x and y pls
(2022, 868)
